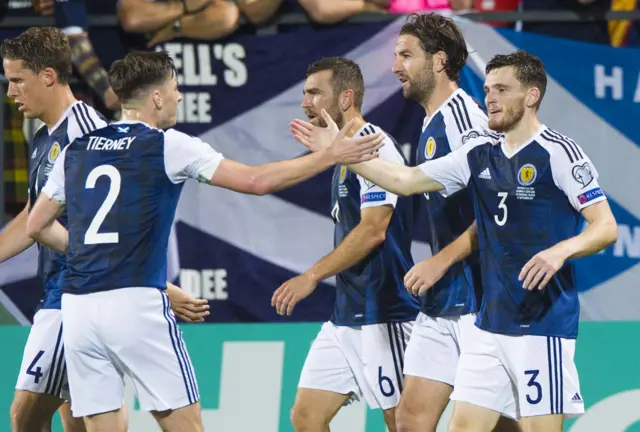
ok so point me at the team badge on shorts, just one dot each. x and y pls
(430, 148)
(54, 152)
(527, 175)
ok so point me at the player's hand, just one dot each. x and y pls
(291, 292)
(425, 274)
(541, 268)
(346, 150)
(315, 138)
(188, 308)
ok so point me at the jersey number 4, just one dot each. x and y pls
(92, 236)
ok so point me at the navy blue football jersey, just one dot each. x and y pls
(372, 291)
(47, 144)
(458, 120)
(121, 186)
(524, 203)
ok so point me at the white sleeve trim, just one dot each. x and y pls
(54, 188)
(372, 195)
(189, 157)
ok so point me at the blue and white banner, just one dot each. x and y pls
(240, 95)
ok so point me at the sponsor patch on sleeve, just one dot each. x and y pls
(374, 197)
(590, 195)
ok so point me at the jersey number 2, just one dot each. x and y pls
(92, 236)
(502, 206)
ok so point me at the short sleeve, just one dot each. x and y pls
(451, 171)
(54, 188)
(189, 157)
(372, 195)
(578, 179)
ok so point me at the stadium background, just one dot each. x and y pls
(240, 94)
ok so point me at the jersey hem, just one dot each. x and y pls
(542, 334)
(97, 290)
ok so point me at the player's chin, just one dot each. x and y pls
(496, 124)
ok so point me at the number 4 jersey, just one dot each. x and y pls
(121, 186)
(524, 203)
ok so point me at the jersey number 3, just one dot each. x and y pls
(502, 207)
(92, 236)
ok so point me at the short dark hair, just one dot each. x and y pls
(346, 75)
(138, 71)
(438, 33)
(529, 69)
(40, 48)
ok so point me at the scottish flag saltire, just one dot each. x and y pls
(236, 249)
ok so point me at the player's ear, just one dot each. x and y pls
(346, 99)
(533, 96)
(49, 76)
(440, 61)
(156, 97)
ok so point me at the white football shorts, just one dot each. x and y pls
(43, 368)
(364, 361)
(538, 370)
(434, 349)
(127, 331)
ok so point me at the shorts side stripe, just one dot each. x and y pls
(550, 375)
(185, 357)
(173, 342)
(561, 366)
(396, 333)
(395, 359)
(52, 367)
(555, 373)
(57, 381)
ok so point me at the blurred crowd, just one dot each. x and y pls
(149, 22)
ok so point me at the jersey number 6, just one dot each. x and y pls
(92, 236)
(383, 382)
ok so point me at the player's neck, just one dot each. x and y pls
(132, 113)
(522, 133)
(358, 122)
(61, 99)
(441, 93)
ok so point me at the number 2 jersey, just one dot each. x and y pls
(372, 291)
(524, 203)
(458, 120)
(77, 120)
(121, 186)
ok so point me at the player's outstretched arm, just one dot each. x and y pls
(275, 176)
(43, 227)
(601, 233)
(426, 273)
(14, 238)
(360, 242)
(395, 178)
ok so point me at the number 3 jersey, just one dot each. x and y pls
(372, 291)
(76, 121)
(524, 203)
(121, 186)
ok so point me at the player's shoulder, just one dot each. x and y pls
(390, 147)
(561, 148)
(82, 120)
(462, 114)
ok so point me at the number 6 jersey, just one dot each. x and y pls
(121, 186)
(524, 203)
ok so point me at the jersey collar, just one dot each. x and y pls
(533, 138)
(427, 119)
(63, 117)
